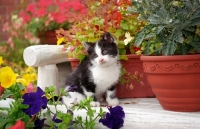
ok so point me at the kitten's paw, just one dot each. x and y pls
(94, 104)
(113, 102)
(69, 102)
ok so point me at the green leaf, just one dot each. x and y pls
(3, 122)
(7, 94)
(124, 25)
(123, 57)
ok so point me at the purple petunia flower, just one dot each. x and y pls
(39, 123)
(35, 100)
(56, 120)
(72, 88)
(114, 119)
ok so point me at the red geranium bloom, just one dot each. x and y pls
(26, 17)
(41, 12)
(59, 18)
(45, 3)
(18, 125)
(31, 8)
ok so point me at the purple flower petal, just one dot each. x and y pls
(36, 107)
(72, 88)
(114, 119)
(35, 100)
(39, 123)
(117, 111)
(54, 119)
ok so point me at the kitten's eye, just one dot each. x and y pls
(105, 52)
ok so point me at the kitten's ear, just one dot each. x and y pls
(108, 37)
(88, 46)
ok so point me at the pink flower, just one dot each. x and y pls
(45, 3)
(59, 18)
(25, 16)
(10, 42)
(31, 8)
(77, 6)
(30, 88)
(41, 12)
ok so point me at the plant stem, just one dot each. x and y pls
(50, 110)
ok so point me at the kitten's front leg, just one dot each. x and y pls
(94, 103)
(111, 98)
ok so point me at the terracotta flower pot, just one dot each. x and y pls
(48, 37)
(134, 89)
(175, 81)
(74, 63)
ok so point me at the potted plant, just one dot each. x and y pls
(111, 16)
(42, 18)
(171, 44)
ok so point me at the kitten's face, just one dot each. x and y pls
(104, 52)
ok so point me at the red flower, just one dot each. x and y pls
(45, 3)
(31, 8)
(59, 18)
(41, 12)
(117, 16)
(136, 48)
(18, 125)
(26, 17)
(1, 89)
(77, 6)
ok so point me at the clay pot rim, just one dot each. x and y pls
(170, 58)
(73, 59)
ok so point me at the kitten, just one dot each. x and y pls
(98, 73)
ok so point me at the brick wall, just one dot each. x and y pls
(6, 8)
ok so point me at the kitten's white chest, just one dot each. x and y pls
(105, 77)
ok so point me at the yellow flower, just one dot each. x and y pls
(29, 69)
(128, 38)
(7, 77)
(27, 78)
(60, 40)
(1, 60)
(22, 81)
(33, 77)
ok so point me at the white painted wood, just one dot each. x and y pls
(145, 113)
(47, 76)
(46, 58)
(40, 55)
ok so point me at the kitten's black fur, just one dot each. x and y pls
(102, 55)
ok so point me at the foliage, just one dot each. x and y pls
(104, 16)
(30, 19)
(18, 40)
(30, 109)
(171, 28)
(42, 16)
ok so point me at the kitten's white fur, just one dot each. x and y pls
(104, 75)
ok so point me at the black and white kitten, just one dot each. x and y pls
(97, 74)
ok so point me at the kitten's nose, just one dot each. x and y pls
(101, 60)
